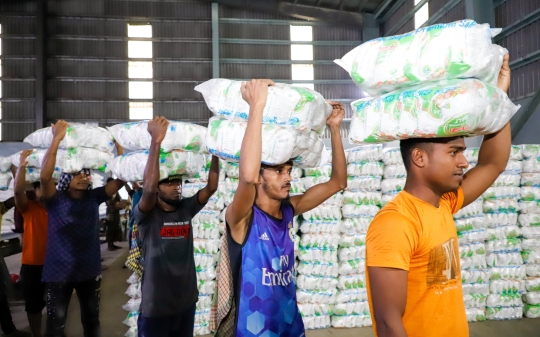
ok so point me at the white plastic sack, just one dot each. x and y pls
(530, 179)
(445, 109)
(530, 150)
(180, 136)
(130, 167)
(286, 105)
(461, 49)
(5, 164)
(309, 151)
(364, 153)
(531, 165)
(71, 160)
(5, 180)
(77, 135)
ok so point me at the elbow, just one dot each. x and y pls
(249, 180)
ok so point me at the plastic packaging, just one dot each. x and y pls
(351, 281)
(533, 269)
(77, 135)
(530, 179)
(475, 314)
(365, 168)
(504, 313)
(131, 319)
(352, 321)
(323, 212)
(505, 192)
(394, 171)
(502, 259)
(391, 186)
(365, 153)
(531, 232)
(355, 211)
(365, 183)
(531, 298)
(392, 156)
(473, 209)
(362, 198)
(473, 276)
(351, 308)
(356, 225)
(531, 310)
(314, 296)
(501, 206)
(470, 223)
(494, 220)
(310, 282)
(517, 272)
(507, 287)
(502, 233)
(71, 161)
(531, 165)
(5, 181)
(504, 300)
(530, 150)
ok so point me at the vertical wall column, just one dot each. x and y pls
(215, 40)
(481, 11)
(40, 107)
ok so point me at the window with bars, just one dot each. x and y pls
(422, 15)
(302, 52)
(140, 71)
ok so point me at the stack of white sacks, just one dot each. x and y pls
(84, 146)
(317, 254)
(394, 174)
(422, 82)
(5, 173)
(529, 220)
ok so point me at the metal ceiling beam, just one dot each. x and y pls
(440, 13)
(523, 61)
(278, 62)
(392, 10)
(529, 110)
(288, 42)
(406, 18)
(272, 22)
(40, 106)
(519, 24)
(381, 8)
(497, 3)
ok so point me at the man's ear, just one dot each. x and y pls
(418, 157)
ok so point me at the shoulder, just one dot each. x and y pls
(453, 201)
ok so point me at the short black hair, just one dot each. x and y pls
(36, 184)
(265, 166)
(406, 146)
(109, 180)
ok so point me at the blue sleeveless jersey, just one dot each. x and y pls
(267, 293)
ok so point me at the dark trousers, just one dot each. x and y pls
(58, 298)
(6, 322)
(174, 326)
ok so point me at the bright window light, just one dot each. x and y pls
(141, 90)
(302, 72)
(140, 49)
(305, 85)
(422, 15)
(144, 31)
(301, 52)
(140, 69)
(142, 110)
(301, 33)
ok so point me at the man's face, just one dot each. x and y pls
(170, 191)
(80, 181)
(445, 165)
(276, 181)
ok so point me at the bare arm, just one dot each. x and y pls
(254, 93)
(113, 187)
(157, 129)
(494, 152)
(338, 181)
(21, 200)
(48, 189)
(389, 298)
(213, 180)
(9, 203)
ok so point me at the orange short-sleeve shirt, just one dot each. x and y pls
(35, 234)
(413, 235)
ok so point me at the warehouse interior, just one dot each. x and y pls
(105, 62)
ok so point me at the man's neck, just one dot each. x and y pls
(165, 206)
(268, 205)
(75, 194)
(422, 191)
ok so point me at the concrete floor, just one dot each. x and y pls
(114, 286)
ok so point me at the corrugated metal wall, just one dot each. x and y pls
(454, 14)
(18, 76)
(396, 17)
(525, 41)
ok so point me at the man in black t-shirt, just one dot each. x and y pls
(169, 282)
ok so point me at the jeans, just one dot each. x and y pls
(58, 298)
(174, 326)
(6, 321)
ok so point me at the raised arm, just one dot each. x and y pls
(213, 180)
(157, 129)
(494, 152)
(254, 93)
(389, 298)
(21, 200)
(338, 180)
(48, 189)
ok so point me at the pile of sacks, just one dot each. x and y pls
(437, 81)
(181, 151)
(5, 173)
(83, 147)
(293, 120)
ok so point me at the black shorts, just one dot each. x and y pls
(33, 289)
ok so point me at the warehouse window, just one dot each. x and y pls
(140, 72)
(302, 52)
(422, 15)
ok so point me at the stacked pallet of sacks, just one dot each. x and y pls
(84, 146)
(361, 201)
(503, 245)
(394, 176)
(436, 81)
(182, 152)
(529, 220)
(5, 173)
(317, 254)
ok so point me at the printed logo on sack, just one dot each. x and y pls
(175, 230)
(264, 236)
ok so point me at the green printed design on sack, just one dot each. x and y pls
(214, 127)
(306, 96)
(457, 126)
(194, 144)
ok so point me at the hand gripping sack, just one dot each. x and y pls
(461, 49)
(69, 160)
(287, 105)
(77, 135)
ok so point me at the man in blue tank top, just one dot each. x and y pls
(259, 256)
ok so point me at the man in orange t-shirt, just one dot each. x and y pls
(412, 260)
(34, 246)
